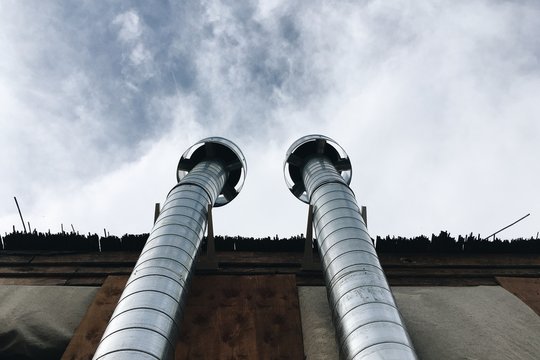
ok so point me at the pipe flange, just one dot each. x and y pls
(305, 148)
(218, 149)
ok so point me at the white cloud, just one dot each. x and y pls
(130, 26)
(131, 34)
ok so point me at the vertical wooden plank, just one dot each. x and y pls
(84, 342)
(527, 289)
(278, 323)
(218, 323)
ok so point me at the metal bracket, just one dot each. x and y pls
(364, 215)
(157, 210)
(209, 262)
(307, 262)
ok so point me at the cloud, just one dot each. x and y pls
(130, 34)
(130, 26)
(435, 102)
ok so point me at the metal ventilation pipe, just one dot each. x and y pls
(367, 321)
(146, 321)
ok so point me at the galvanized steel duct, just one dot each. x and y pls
(367, 321)
(146, 321)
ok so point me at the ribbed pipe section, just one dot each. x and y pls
(146, 321)
(368, 323)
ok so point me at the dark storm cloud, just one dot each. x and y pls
(100, 78)
(436, 103)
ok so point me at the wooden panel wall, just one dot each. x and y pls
(242, 317)
(226, 317)
(527, 289)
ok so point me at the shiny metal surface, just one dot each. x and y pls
(217, 148)
(305, 147)
(146, 321)
(367, 321)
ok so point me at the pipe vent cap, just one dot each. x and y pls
(306, 148)
(222, 150)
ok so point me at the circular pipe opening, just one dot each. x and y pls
(307, 147)
(222, 150)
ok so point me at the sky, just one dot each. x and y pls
(437, 104)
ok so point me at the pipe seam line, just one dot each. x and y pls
(367, 322)
(147, 318)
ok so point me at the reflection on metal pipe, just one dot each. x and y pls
(367, 321)
(146, 321)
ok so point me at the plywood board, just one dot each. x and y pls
(527, 289)
(242, 317)
(226, 317)
(84, 342)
